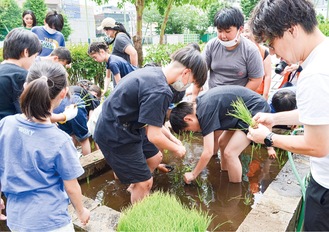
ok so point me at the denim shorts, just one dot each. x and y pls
(77, 126)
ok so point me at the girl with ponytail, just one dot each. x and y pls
(39, 165)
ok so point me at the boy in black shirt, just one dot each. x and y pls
(209, 116)
(129, 130)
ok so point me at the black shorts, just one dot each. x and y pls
(128, 160)
(316, 208)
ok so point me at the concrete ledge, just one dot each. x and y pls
(279, 207)
(102, 218)
(92, 163)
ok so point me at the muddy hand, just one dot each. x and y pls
(180, 151)
(188, 177)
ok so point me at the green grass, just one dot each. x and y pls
(162, 212)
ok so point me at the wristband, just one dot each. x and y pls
(62, 122)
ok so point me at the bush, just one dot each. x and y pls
(162, 212)
(84, 67)
(160, 53)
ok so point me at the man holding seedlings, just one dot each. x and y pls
(129, 130)
(295, 37)
(210, 115)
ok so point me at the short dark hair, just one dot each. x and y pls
(45, 80)
(55, 20)
(63, 54)
(25, 12)
(192, 59)
(17, 41)
(96, 89)
(271, 18)
(177, 115)
(228, 17)
(96, 47)
(284, 100)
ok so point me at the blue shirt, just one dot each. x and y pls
(48, 41)
(119, 65)
(34, 160)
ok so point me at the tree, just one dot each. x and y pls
(248, 6)
(213, 9)
(39, 8)
(10, 17)
(323, 24)
(166, 7)
(140, 6)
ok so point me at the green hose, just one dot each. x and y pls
(303, 183)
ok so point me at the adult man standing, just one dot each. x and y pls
(294, 36)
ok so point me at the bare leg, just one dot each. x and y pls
(222, 143)
(140, 190)
(85, 145)
(235, 146)
(217, 134)
(154, 161)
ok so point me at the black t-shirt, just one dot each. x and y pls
(12, 78)
(141, 98)
(213, 106)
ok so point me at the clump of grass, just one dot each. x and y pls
(240, 111)
(162, 212)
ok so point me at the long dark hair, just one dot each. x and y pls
(33, 17)
(45, 80)
(119, 28)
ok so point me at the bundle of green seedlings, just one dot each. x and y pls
(240, 111)
(162, 211)
(84, 101)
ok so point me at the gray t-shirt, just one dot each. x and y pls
(233, 67)
(120, 44)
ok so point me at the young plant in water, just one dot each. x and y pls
(240, 111)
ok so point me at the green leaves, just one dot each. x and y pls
(10, 17)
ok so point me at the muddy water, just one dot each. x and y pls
(228, 203)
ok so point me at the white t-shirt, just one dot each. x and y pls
(313, 102)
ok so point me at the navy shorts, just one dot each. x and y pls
(316, 207)
(126, 152)
(77, 126)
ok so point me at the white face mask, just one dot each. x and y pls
(179, 85)
(230, 43)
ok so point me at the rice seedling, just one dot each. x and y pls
(84, 101)
(240, 111)
(282, 157)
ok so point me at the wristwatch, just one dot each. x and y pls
(268, 140)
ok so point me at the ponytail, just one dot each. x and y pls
(44, 82)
